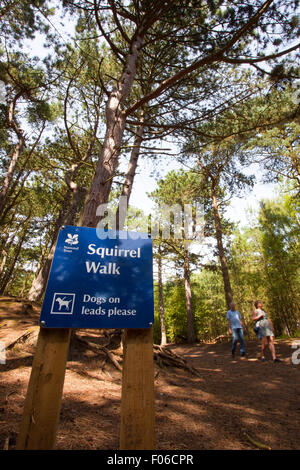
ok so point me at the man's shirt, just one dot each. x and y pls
(234, 318)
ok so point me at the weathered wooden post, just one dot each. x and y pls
(44, 393)
(137, 409)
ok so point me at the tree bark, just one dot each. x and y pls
(163, 340)
(11, 199)
(78, 198)
(7, 275)
(4, 253)
(3, 261)
(4, 250)
(130, 175)
(188, 298)
(11, 123)
(10, 172)
(221, 251)
(70, 208)
(40, 281)
(7, 187)
(115, 122)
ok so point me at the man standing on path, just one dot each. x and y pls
(235, 327)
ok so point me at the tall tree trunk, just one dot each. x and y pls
(3, 249)
(163, 340)
(188, 298)
(40, 281)
(130, 175)
(221, 251)
(11, 123)
(11, 199)
(66, 217)
(3, 261)
(9, 174)
(77, 201)
(8, 188)
(115, 125)
(4, 253)
(9, 272)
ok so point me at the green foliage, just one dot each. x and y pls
(175, 311)
(209, 304)
(23, 18)
(278, 149)
(208, 307)
(265, 262)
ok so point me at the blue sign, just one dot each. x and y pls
(99, 282)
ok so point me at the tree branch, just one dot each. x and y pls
(115, 14)
(214, 57)
(120, 54)
(232, 60)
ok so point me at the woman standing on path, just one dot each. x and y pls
(266, 329)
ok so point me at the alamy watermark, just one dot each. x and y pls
(296, 354)
(168, 222)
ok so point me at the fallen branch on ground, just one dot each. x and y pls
(21, 338)
(257, 444)
(98, 349)
(165, 357)
(162, 355)
(220, 338)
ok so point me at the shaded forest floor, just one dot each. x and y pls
(231, 401)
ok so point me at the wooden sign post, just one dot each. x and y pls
(94, 283)
(43, 400)
(44, 393)
(137, 408)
